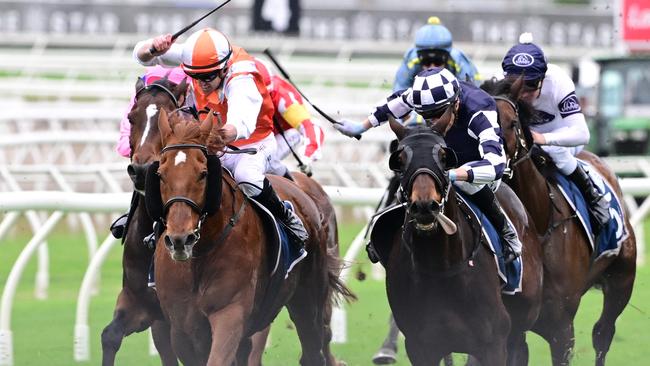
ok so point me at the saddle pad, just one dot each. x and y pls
(614, 233)
(387, 223)
(510, 274)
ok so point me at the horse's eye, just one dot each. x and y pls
(203, 175)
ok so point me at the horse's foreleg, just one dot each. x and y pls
(227, 326)
(161, 338)
(618, 281)
(131, 315)
(517, 350)
(421, 354)
(257, 350)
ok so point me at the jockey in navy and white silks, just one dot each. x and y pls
(433, 45)
(560, 129)
(472, 132)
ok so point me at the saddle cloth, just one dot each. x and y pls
(609, 241)
(387, 223)
(282, 255)
(511, 273)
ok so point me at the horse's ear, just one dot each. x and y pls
(448, 157)
(139, 84)
(164, 126)
(206, 126)
(180, 91)
(516, 88)
(397, 127)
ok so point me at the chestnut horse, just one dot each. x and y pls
(213, 302)
(569, 268)
(137, 306)
(441, 278)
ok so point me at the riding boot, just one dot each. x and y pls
(598, 205)
(488, 203)
(284, 212)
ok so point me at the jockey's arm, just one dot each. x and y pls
(493, 158)
(244, 104)
(574, 132)
(168, 54)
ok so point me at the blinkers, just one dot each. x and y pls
(153, 199)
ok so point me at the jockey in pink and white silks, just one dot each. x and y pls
(560, 129)
(153, 73)
(472, 131)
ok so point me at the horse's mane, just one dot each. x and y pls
(527, 114)
(527, 117)
(186, 130)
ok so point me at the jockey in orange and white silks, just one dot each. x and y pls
(175, 75)
(560, 128)
(293, 126)
(225, 80)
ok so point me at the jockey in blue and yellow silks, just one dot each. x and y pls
(433, 45)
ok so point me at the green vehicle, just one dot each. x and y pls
(622, 120)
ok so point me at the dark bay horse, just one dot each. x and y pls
(441, 278)
(137, 305)
(569, 269)
(213, 302)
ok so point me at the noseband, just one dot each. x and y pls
(193, 205)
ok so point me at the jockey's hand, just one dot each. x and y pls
(228, 133)
(161, 44)
(306, 168)
(351, 128)
(538, 138)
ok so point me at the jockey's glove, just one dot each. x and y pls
(350, 128)
(306, 168)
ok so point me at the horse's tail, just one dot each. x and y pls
(338, 289)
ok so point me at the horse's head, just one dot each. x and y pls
(514, 115)
(422, 159)
(144, 140)
(185, 186)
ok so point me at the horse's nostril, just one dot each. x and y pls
(191, 239)
(434, 206)
(130, 170)
(168, 241)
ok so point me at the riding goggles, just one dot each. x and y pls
(205, 76)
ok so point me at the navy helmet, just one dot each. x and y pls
(433, 91)
(525, 58)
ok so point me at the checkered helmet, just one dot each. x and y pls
(434, 90)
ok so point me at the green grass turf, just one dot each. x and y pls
(43, 330)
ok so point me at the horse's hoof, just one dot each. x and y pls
(384, 356)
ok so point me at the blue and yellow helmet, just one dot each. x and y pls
(433, 35)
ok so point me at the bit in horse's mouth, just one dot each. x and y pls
(424, 227)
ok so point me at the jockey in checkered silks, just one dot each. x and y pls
(471, 129)
(560, 129)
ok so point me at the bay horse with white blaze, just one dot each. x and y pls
(569, 266)
(213, 301)
(441, 277)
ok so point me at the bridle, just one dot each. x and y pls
(188, 201)
(522, 151)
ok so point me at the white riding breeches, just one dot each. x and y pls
(471, 188)
(294, 138)
(563, 157)
(248, 170)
